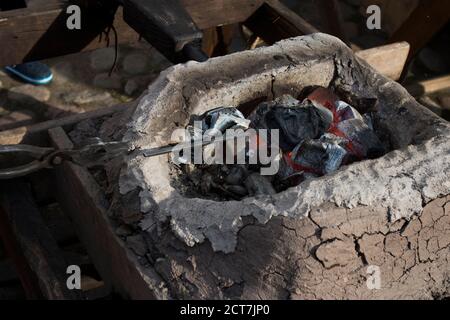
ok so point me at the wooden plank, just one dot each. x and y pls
(12, 292)
(213, 13)
(42, 33)
(27, 278)
(88, 283)
(33, 238)
(39, 4)
(274, 21)
(425, 21)
(7, 271)
(13, 4)
(425, 87)
(389, 60)
(117, 265)
(216, 41)
(33, 134)
(333, 18)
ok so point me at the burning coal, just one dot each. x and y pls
(306, 139)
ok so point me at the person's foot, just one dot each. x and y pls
(32, 72)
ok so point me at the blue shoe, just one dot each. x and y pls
(32, 72)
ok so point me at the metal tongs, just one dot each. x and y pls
(46, 158)
(91, 155)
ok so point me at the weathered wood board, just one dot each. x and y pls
(40, 32)
(81, 197)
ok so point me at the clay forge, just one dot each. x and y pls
(321, 238)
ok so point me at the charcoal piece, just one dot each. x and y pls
(137, 244)
(207, 183)
(326, 114)
(288, 176)
(363, 105)
(364, 142)
(287, 101)
(332, 138)
(323, 96)
(194, 175)
(236, 175)
(368, 119)
(294, 124)
(257, 184)
(321, 156)
(237, 190)
(285, 168)
(346, 111)
(218, 120)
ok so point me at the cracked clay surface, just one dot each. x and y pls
(315, 240)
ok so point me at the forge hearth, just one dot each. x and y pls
(313, 240)
(314, 137)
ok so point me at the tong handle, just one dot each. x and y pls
(39, 155)
(21, 171)
(32, 151)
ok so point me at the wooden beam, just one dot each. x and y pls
(214, 13)
(425, 21)
(34, 134)
(7, 271)
(117, 265)
(36, 34)
(216, 41)
(39, 33)
(425, 87)
(28, 280)
(273, 21)
(333, 19)
(12, 292)
(34, 241)
(389, 60)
